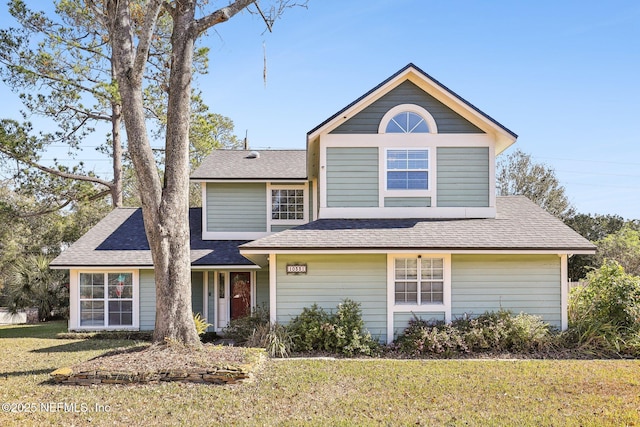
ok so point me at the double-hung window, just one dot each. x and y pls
(407, 169)
(106, 299)
(419, 281)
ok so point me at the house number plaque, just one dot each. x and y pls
(296, 268)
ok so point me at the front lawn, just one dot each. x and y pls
(320, 392)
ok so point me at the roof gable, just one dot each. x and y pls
(407, 92)
(433, 88)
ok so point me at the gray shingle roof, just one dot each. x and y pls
(519, 225)
(120, 240)
(238, 164)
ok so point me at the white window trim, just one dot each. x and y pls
(392, 307)
(412, 108)
(74, 317)
(384, 192)
(305, 194)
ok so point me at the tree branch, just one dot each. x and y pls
(67, 175)
(221, 15)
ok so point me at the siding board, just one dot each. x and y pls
(329, 280)
(236, 207)
(352, 177)
(520, 283)
(463, 176)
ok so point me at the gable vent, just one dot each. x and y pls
(253, 155)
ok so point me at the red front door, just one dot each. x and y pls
(240, 295)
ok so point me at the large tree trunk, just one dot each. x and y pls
(174, 298)
(165, 208)
(116, 126)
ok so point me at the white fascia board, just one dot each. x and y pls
(407, 212)
(409, 140)
(234, 235)
(248, 181)
(107, 268)
(356, 108)
(225, 267)
(459, 106)
(333, 251)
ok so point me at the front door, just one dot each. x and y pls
(240, 288)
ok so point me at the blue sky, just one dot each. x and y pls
(563, 75)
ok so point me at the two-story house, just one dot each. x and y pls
(392, 204)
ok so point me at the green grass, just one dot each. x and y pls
(325, 392)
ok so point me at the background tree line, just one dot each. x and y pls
(617, 239)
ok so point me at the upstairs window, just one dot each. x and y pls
(287, 204)
(407, 118)
(407, 122)
(408, 169)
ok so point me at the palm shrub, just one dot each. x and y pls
(604, 315)
(33, 284)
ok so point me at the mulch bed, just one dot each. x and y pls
(155, 363)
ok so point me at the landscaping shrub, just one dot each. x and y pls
(201, 323)
(342, 332)
(275, 338)
(604, 315)
(492, 331)
(240, 330)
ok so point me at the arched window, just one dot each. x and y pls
(407, 118)
(407, 122)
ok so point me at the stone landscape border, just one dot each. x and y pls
(220, 376)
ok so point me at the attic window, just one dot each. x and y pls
(407, 122)
(407, 118)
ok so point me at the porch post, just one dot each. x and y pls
(272, 288)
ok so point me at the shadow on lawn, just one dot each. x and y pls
(7, 375)
(85, 345)
(37, 330)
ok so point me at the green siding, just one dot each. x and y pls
(352, 177)
(407, 202)
(368, 120)
(147, 300)
(236, 207)
(197, 288)
(463, 176)
(262, 288)
(520, 283)
(329, 280)
(401, 320)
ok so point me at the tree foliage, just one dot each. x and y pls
(623, 247)
(518, 174)
(595, 228)
(605, 314)
(63, 68)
